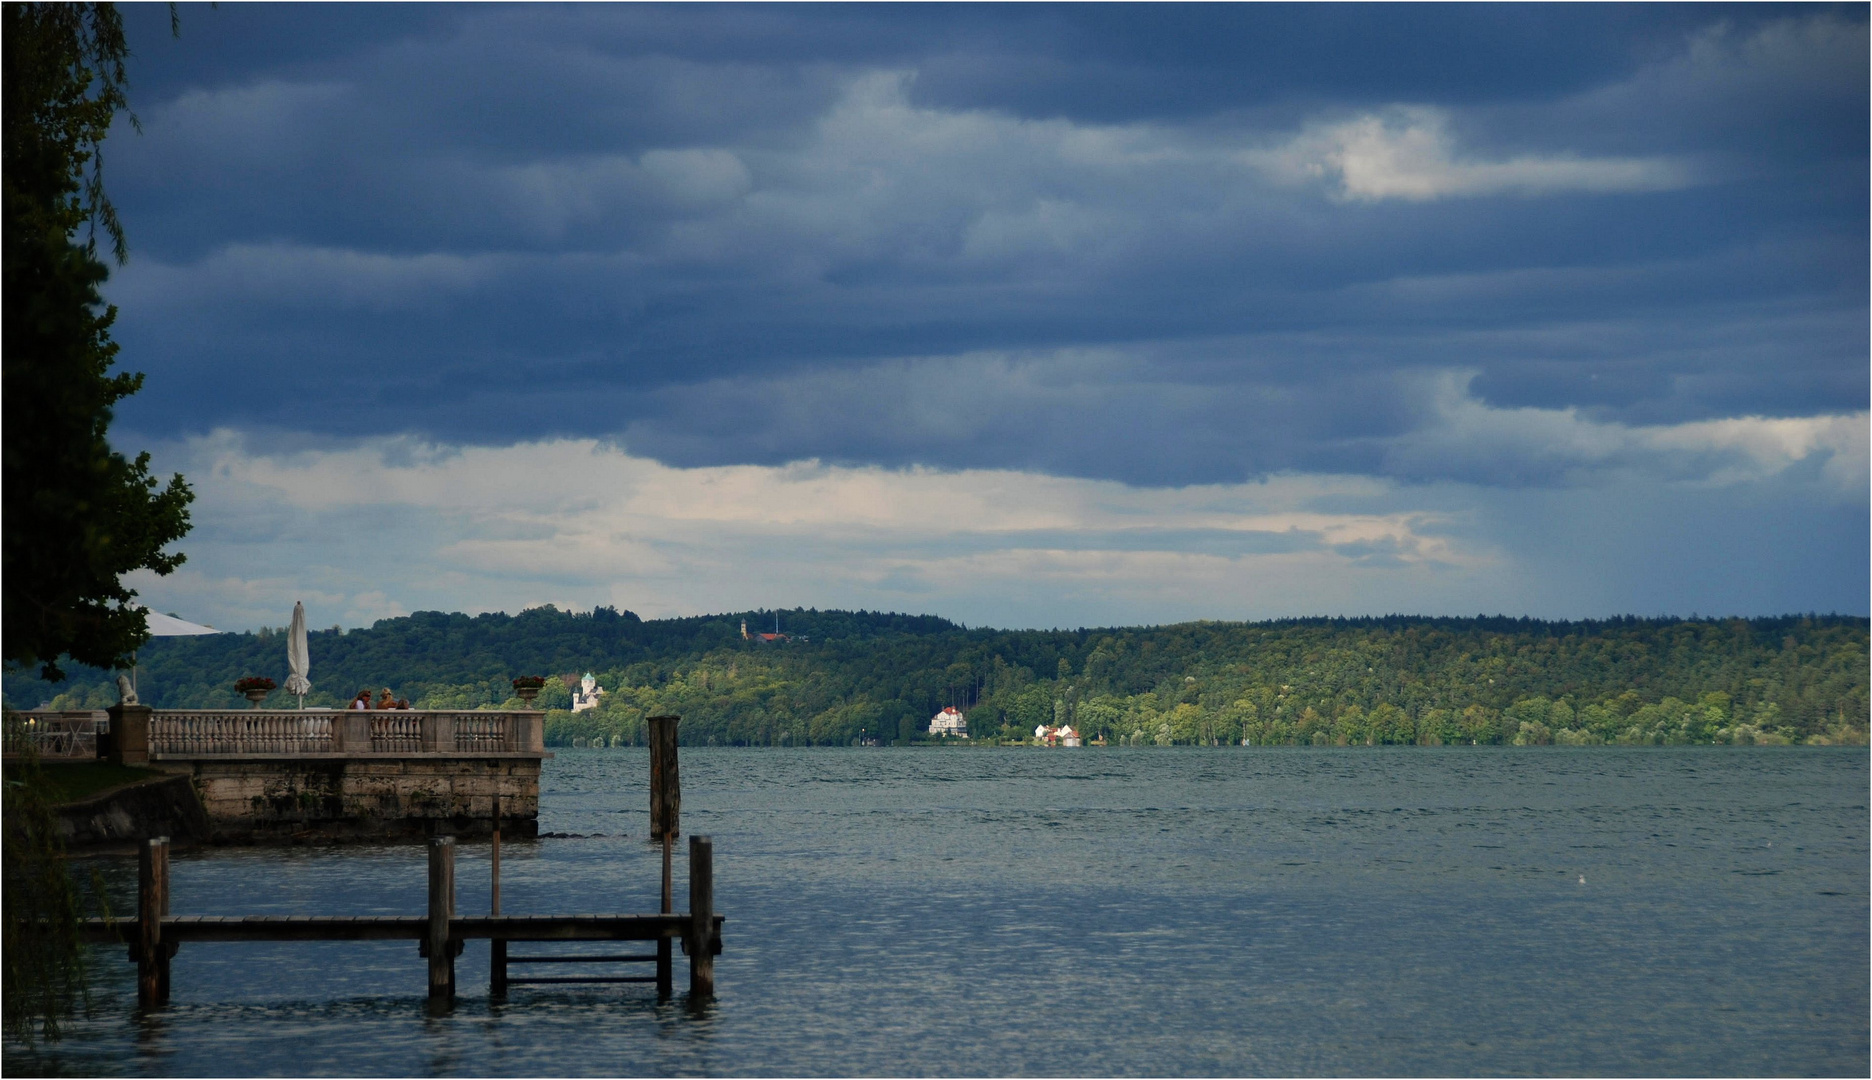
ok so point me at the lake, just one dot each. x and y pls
(1238, 911)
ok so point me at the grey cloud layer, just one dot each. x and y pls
(729, 235)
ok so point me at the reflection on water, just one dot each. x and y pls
(995, 912)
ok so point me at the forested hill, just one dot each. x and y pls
(841, 676)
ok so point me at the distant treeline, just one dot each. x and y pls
(845, 676)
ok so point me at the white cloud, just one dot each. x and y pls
(395, 524)
(392, 525)
(1466, 438)
(1409, 152)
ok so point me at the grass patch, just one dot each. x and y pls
(71, 781)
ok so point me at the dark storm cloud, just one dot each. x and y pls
(1163, 245)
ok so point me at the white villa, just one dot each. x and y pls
(587, 694)
(949, 722)
(1064, 735)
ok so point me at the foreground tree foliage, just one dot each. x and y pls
(42, 959)
(78, 514)
(846, 675)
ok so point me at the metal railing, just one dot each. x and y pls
(63, 734)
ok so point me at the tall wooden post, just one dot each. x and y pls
(440, 948)
(161, 858)
(665, 821)
(701, 918)
(665, 783)
(665, 975)
(152, 904)
(497, 948)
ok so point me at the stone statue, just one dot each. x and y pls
(126, 695)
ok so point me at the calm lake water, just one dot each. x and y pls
(1095, 912)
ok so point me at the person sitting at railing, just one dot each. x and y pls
(362, 701)
(385, 701)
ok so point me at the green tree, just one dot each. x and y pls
(43, 958)
(79, 515)
(1186, 724)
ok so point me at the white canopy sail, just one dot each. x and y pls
(161, 625)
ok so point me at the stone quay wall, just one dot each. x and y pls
(335, 797)
(284, 776)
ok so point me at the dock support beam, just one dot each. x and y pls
(438, 946)
(701, 918)
(665, 783)
(665, 824)
(665, 976)
(497, 948)
(152, 954)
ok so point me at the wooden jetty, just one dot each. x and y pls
(155, 935)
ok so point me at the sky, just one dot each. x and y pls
(1023, 316)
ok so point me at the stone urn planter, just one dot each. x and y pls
(527, 687)
(255, 688)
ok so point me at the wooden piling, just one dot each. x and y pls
(169, 946)
(152, 955)
(665, 783)
(665, 826)
(665, 975)
(701, 918)
(440, 948)
(497, 948)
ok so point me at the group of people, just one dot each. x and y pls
(384, 701)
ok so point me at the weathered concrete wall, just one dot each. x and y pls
(162, 807)
(333, 797)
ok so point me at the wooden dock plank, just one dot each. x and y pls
(586, 979)
(635, 958)
(593, 927)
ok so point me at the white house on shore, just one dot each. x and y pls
(1064, 735)
(949, 722)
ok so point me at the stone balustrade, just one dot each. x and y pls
(141, 734)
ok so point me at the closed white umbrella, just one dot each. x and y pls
(298, 658)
